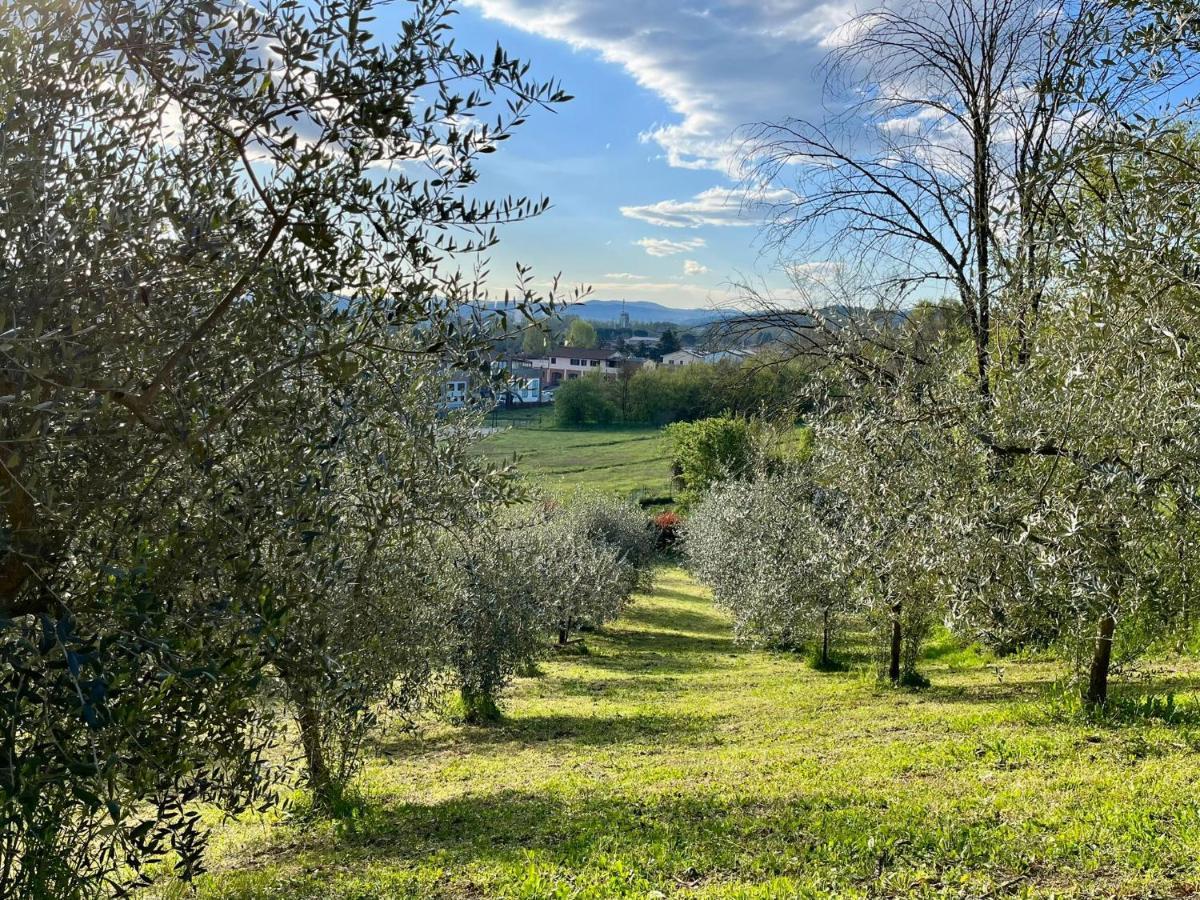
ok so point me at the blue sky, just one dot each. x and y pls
(639, 166)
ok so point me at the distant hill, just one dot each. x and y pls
(640, 311)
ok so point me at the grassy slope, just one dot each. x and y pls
(617, 460)
(670, 763)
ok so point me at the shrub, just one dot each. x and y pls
(581, 401)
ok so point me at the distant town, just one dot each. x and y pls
(564, 348)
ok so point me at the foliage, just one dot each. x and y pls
(589, 582)
(534, 341)
(664, 394)
(667, 343)
(582, 334)
(385, 474)
(498, 614)
(581, 401)
(617, 525)
(1016, 458)
(775, 552)
(711, 450)
(214, 213)
(522, 575)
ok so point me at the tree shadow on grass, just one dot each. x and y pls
(639, 684)
(667, 841)
(695, 623)
(617, 648)
(996, 692)
(650, 662)
(1169, 701)
(1177, 684)
(571, 730)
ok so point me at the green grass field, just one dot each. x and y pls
(669, 762)
(612, 460)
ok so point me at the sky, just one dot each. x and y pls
(640, 167)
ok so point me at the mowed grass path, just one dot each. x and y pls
(611, 460)
(668, 763)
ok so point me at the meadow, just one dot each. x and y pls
(619, 460)
(666, 761)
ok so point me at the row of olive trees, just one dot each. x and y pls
(797, 552)
(229, 293)
(1019, 456)
(470, 608)
(522, 576)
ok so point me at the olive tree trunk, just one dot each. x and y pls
(897, 644)
(825, 637)
(1096, 693)
(312, 740)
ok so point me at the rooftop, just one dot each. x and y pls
(582, 353)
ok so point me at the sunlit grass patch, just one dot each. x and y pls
(670, 762)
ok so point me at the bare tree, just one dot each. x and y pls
(951, 128)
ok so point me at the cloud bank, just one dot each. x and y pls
(716, 65)
(722, 206)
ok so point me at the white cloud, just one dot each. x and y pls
(625, 276)
(691, 267)
(716, 66)
(664, 247)
(715, 206)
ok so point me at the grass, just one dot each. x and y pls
(670, 763)
(621, 460)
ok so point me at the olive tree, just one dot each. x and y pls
(523, 575)
(774, 553)
(605, 547)
(1004, 436)
(354, 559)
(498, 616)
(1095, 436)
(892, 472)
(206, 207)
(617, 524)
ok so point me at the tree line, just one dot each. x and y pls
(664, 394)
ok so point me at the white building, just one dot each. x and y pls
(566, 363)
(691, 357)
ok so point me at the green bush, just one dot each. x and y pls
(710, 450)
(582, 401)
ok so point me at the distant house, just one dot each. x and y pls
(456, 386)
(524, 387)
(691, 357)
(521, 387)
(565, 363)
